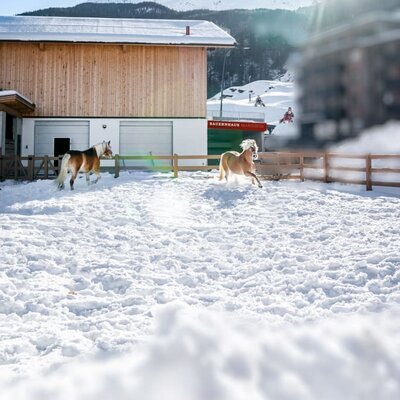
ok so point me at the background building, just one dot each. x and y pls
(349, 78)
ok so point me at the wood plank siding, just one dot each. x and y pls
(106, 80)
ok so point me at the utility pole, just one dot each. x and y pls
(222, 83)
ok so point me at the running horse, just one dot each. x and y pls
(83, 161)
(242, 163)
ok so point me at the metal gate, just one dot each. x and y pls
(146, 138)
(48, 130)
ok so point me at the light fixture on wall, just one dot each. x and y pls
(104, 126)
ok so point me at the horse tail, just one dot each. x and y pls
(63, 171)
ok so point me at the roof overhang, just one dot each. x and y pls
(15, 104)
(161, 32)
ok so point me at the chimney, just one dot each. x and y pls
(187, 30)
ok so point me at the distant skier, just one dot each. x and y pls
(288, 116)
(259, 102)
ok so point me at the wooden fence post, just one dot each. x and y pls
(46, 167)
(116, 166)
(368, 172)
(175, 165)
(326, 167)
(16, 167)
(30, 167)
(302, 167)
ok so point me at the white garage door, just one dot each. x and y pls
(47, 131)
(144, 138)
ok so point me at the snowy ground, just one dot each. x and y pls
(208, 291)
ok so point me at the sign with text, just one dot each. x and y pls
(238, 125)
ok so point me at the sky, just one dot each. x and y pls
(19, 6)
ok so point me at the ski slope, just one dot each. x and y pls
(276, 95)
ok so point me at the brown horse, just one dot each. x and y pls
(83, 161)
(240, 163)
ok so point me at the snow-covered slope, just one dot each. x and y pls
(211, 291)
(277, 97)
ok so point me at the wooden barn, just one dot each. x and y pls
(69, 83)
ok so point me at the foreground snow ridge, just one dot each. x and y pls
(193, 289)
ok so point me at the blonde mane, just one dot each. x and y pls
(247, 143)
(101, 148)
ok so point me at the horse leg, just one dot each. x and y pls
(222, 172)
(98, 176)
(254, 178)
(96, 169)
(87, 178)
(74, 174)
(226, 169)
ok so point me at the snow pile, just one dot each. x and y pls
(83, 273)
(199, 355)
(384, 139)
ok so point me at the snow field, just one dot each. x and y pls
(211, 291)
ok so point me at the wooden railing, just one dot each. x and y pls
(293, 165)
(29, 167)
(369, 170)
(174, 159)
(331, 167)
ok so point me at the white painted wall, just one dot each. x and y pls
(105, 129)
(28, 136)
(189, 136)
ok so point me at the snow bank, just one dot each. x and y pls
(280, 136)
(203, 355)
(384, 139)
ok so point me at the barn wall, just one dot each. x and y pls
(82, 80)
(189, 136)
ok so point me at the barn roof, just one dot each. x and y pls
(113, 30)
